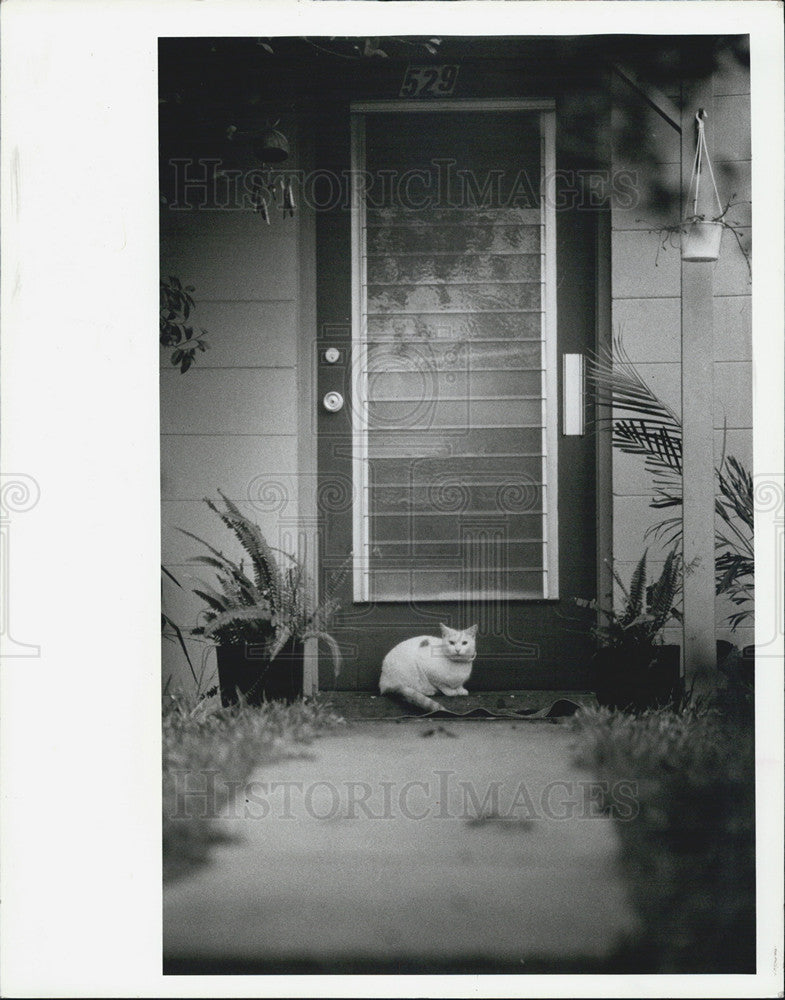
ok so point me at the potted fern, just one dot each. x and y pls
(633, 668)
(260, 619)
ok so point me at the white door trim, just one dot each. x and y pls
(459, 104)
(550, 417)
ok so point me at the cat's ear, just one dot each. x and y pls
(446, 631)
(472, 631)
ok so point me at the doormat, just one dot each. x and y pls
(363, 706)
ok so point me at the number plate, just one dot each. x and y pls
(429, 81)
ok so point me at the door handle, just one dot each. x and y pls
(332, 402)
(573, 393)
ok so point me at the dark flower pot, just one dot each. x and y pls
(738, 665)
(638, 678)
(246, 668)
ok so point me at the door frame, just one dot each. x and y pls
(550, 376)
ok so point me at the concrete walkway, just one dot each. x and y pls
(409, 844)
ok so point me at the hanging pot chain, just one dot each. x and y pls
(701, 153)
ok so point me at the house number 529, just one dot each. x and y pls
(428, 81)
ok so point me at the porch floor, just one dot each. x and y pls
(416, 847)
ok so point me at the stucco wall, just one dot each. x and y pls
(231, 421)
(646, 307)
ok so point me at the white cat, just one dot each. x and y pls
(421, 666)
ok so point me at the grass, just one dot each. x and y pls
(205, 749)
(689, 853)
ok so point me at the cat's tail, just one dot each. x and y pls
(415, 697)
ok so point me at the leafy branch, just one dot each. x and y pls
(367, 48)
(176, 307)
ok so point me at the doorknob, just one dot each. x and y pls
(332, 402)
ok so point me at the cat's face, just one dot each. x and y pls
(459, 644)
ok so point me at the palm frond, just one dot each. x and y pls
(731, 570)
(618, 384)
(667, 531)
(737, 493)
(645, 426)
(735, 566)
(657, 443)
(739, 618)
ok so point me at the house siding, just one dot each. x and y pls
(646, 310)
(231, 421)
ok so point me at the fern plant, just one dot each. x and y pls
(266, 604)
(646, 610)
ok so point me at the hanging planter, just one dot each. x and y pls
(270, 146)
(701, 237)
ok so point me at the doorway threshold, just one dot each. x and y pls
(491, 705)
